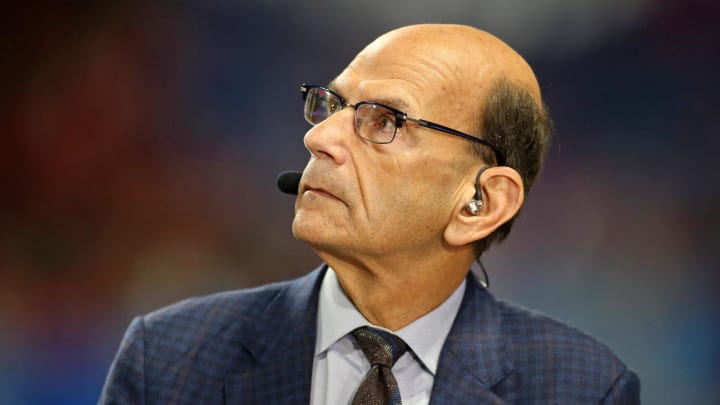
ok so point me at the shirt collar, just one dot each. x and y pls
(337, 316)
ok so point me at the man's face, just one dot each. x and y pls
(359, 199)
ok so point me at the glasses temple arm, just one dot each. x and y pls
(428, 124)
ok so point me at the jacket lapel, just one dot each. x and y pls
(474, 358)
(282, 345)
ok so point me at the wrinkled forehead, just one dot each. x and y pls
(421, 71)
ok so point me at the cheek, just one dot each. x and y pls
(412, 204)
(406, 180)
(406, 187)
(428, 195)
(381, 195)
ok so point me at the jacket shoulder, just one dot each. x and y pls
(562, 363)
(184, 351)
(533, 335)
(211, 314)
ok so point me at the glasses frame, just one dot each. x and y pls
(400, 118)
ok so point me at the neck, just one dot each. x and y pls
(393, 295)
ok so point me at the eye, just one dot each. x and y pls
(384, 121)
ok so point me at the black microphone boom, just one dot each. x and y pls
(289, 181)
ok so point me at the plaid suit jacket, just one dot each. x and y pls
(256, 347)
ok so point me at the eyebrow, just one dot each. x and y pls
(390, 102)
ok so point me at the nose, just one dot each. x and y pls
(330, 139)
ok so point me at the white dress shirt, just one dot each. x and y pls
(339, 365)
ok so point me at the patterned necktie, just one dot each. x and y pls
(382, 349)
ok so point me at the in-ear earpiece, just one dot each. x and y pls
(476, 204)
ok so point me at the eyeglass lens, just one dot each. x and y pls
(373, 121)
(320, 104)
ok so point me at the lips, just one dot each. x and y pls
(311, 186)
(319, 181)
(319, 191)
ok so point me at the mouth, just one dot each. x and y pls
(314, 191)
(318, 191)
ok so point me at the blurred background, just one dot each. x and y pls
(140, 142)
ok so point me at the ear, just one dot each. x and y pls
(503, 195)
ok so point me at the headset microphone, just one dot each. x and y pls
(289, 181)
(476, 204)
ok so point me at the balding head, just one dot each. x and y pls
(471, 58)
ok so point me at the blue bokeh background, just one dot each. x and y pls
(139, 145)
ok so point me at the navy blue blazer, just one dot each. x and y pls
(256, 347)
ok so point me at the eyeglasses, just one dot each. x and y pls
(374, 122)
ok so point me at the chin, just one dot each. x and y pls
(304, 230)
(318, 235)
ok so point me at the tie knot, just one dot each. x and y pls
(379, 347)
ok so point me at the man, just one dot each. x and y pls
(421, 153)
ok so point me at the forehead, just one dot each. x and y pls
(412, 75)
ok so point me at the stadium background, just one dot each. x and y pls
(139, 145)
